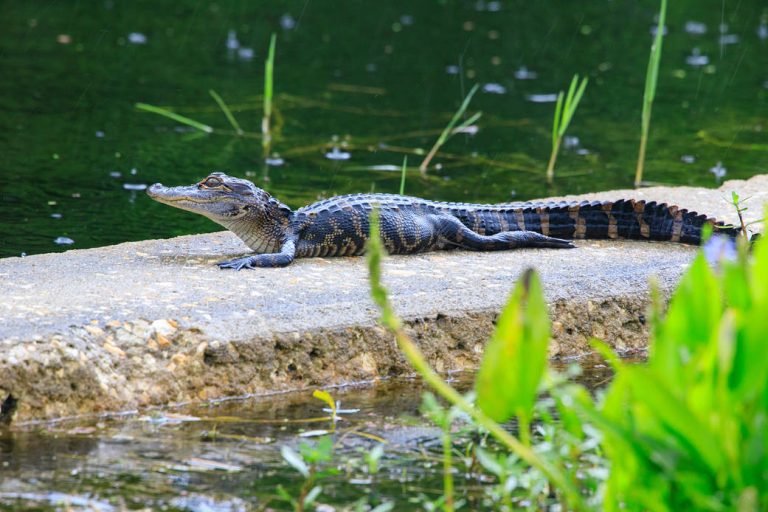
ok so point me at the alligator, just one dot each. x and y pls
(339, 226)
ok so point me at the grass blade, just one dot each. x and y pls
(402, 175)
(176, 117)
(269, 69)
(651, 79)
(565, 108)
(224, 108)
(449, 129)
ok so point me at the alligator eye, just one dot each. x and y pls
(212, 182)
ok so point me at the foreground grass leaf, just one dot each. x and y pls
(516, 356)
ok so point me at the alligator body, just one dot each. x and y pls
(339, 226)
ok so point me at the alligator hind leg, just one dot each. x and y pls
(454, 232)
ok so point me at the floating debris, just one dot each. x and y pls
(541, 98)
(232, 42)
(655, 29)
(63, 39)
(56, 215)
(99, 134)
(274, 161)
(115, 174)
(336, 154)
(135, 186)
(137, 38)
(523, 73)
(134, 171)
(406, 20)
(582, 151)
(688, 159)
(469, 130)
(63, 240)
(494, 88)
(287, 22)
(695, 27)
(245, 53)
(719, 171)
(762, 31)
(452, 69)
(570, 142)
(729, 39)
(696, 59)
(371, 67)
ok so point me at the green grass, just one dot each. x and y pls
(565, 108)
(228, 113)
(176, 117)
(651, 78)
(269, 70)
(402, 175)
(452, 128)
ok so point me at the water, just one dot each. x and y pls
(358, 86)
(226, 456)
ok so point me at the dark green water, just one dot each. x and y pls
(377, 79)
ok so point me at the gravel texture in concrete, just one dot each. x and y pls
(155, 322)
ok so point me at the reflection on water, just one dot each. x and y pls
(382, 77)
(227, 454)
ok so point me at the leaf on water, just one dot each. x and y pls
(325, 397)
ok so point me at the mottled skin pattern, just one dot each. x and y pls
(339, 226)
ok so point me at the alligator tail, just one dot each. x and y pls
(625, 218)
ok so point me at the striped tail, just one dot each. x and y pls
(625, 218)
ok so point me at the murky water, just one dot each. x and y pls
(358, 86)
(226, 455)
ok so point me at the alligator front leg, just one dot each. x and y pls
(454, 232)
(278, 259)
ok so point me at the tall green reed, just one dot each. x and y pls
(651, 78)
(451, 128)
(269, 69)
(565, 108)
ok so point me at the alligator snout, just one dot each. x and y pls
(155, 190)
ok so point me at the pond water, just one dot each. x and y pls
(227, 455)
(358, 86)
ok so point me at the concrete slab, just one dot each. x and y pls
(155, 322)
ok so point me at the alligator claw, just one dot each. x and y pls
(237, 264)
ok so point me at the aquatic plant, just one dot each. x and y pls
(269, 68)
(402, 175)
(686, 431)
(228, 113)
(565, 108)
(651, 78)
(176, 117)
(451, 128)
(410, 350)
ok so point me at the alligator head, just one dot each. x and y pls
(260, 220)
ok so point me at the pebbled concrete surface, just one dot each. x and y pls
(154, 322)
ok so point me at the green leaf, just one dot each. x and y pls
(490, 462)
(516, 356)
(295, 460)
(312, 495)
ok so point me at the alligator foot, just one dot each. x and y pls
(238, 263)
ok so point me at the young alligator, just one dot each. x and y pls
(339, 226)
